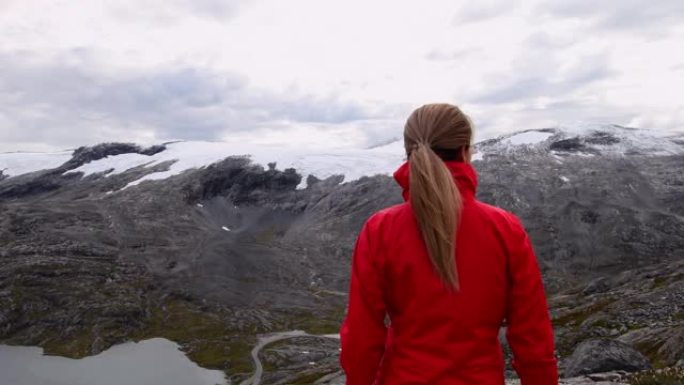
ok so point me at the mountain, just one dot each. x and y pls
(211, 244)
(595, 199)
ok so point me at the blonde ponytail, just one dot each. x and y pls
(434, 196)
(436, 205)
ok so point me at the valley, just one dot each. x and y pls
(219, 252)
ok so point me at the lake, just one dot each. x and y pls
(155, 361)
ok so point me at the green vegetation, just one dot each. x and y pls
(205, 337)
(578, 316)
(212, 337)
(602, 323)
(77, 346)
(660, 282)
(324, 322)
(650, 349)
(668, 376)
(572, 320)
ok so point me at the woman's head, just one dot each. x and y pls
(442, 127)
(435, 133)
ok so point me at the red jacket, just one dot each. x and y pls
(439, 336)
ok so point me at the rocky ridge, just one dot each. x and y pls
(213, 257)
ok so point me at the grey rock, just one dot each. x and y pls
(608, 376)
(86, 154)
(602, 138)
(664, 343)
(601, 355)
(598, 285)
(569, 145)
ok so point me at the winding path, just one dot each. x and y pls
(269, 339)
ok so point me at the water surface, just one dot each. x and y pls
(152, 362)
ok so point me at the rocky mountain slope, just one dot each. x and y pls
(190, 242)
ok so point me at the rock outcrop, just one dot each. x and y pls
(86, 154)
(602, 355)
(664, 344)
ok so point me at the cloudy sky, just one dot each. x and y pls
(328, 72)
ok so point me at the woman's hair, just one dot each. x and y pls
(435, 133)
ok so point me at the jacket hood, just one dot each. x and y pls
(463, 173)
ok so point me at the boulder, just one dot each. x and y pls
(662, 344)
(598, 285)
(602, 355)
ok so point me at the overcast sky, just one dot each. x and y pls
(329, 73)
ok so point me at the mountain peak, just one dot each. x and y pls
(114, 158)
(586, 140)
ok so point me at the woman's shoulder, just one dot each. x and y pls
(501, 217)
(389, 216)
(391, 212)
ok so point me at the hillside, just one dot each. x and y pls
(212, 244)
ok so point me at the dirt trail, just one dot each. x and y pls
(269, 339)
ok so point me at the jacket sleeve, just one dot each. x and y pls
(363, 332)
(529, 333)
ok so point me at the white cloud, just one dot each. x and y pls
(477, 11)
(85, 104)
(345, 71)
(640, 16)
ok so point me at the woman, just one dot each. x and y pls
(445, 270)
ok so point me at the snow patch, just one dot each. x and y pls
(564, 179)
(350, 162)
(17, 163)
(116, 163)
(629, 140)
(527, 138)
(225, 228)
